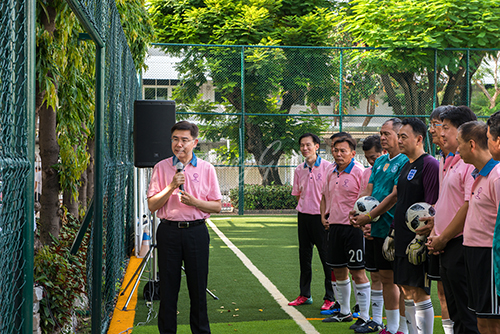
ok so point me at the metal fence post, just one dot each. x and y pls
(28, 229)
(98, 190)
(340, 87)
(241, 177)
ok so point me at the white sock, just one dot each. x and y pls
(448, 326)
(403, 326)
(355, 288)
(411, 318)
(424, 313)
(363, 293)
(392, 320)
(344, 288)
(335, 290)
(378, 306)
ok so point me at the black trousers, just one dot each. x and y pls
(175, 246)
(452, 269)
(312, 232)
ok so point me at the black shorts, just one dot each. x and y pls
(409, 274)
(481, 289)
(370, 256)
(346, 247)
(374, 258)
(433, 270)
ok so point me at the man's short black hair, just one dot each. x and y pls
(458, 115)
(436, 113)
(340, 135)
(185, 125)
(418, 126)
(396, 123)
(349, 140)
(312, 135)
(372, 141)
(475, 130)
(494, 124)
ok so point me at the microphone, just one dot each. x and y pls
(179, 166)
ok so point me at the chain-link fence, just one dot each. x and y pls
(117, 87)
(16, 157)
(253, 102)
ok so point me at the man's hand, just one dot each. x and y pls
(187, 199)
(416, 250)
(389, 248)
(177, 180)
(427, 228)
(360, 220)
(435, 244)
(367, 231)
(325, 223)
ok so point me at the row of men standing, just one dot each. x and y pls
(464, 186)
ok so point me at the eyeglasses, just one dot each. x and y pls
(435, 125)
(184, 141)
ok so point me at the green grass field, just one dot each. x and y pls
(244, 305)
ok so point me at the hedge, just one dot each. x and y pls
(258, 197)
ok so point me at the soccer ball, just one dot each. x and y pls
(417, 211)
(365, 204)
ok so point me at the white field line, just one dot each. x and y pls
(273, 290)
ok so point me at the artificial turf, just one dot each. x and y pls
(244, 305)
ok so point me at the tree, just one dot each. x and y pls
(275, 79)
(490, 69)
(408, 29)
(65, 102)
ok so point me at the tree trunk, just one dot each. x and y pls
(50, 223)
(90, 169)
(70, 203)
(370, 109)
(82, 191)
(391, 95)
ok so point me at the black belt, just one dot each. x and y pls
(184, 224)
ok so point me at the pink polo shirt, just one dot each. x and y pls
(308, 183)
(341, 192)
(201, 182)
(483, 207)
(366, 177)
(455, 186)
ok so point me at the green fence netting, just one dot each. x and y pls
(117, 86)
(253, 102)
(16, 177)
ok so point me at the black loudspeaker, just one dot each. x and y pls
(153, 120)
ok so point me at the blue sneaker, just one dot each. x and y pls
(335, 308)
(355, 311)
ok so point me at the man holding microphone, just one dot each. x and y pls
(184, 190)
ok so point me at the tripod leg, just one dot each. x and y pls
(148, 255)
(143, 263)
(208, 291)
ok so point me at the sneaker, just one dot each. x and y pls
(327, 304)
(301, 300)
(355, 311)
(369, 327)
(339, 317)
(335, 308)
(360, 322)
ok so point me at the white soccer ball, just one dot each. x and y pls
(366, 204)
(417, 211)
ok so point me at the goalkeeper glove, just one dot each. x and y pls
(416, 250)
(388, 248)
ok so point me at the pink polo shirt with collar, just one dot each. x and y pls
(341, 191)
(483, 206)
(455, 186)
(201, 182)
(308, 183)
(366, 177)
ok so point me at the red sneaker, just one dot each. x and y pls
(327, 304)
(301, 300)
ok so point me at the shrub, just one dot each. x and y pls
(257, 197)
(62, 276)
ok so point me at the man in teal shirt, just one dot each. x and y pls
(385, 173)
